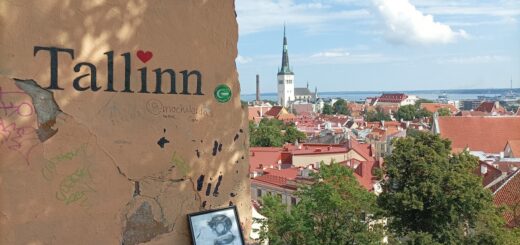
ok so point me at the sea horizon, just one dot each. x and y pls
(432, 94)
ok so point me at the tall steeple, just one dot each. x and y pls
(286, 69)
(285, 77)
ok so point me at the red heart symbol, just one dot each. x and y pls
(144, 56)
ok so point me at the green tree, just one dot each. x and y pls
(406, 113)
(340, 107)
(422, 113)
(430, 194)
(444, 112)
(292, 134)
(265, 136)
(269, 133)
(335, 209)
(376, 115)
(327, 109)
(273, 122)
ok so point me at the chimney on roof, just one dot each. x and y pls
(257, 87)
(483, 169)
(261, 166)
(497, 104)
(501, 155)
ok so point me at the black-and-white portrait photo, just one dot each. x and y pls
(216, 227)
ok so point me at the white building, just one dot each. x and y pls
(285, 78)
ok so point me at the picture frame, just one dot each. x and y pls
(218, 226)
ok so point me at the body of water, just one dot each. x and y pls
(357, 96)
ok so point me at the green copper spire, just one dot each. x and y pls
(286, 69)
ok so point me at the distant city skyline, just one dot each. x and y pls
(380, 45)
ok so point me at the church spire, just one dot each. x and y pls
(286, 69)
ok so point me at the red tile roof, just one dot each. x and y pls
(488, 134)
(491, 174)
(433, 107)
(310, 149)
(490, 106)
(275, 111)
(263, 157)
(273, 180)
(365, 150)
(392, 98)
(255, 113)
(508, 166)
(288, 117)
(515, 147)
(508, 195)
(288, 173)
(362, 172)
(471, 113)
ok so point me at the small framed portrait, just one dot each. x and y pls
(216, 227)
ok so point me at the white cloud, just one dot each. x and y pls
(341, 56)
(479, 59)
(243, 60)
(405, 24)
(260, 15)
(331, 53)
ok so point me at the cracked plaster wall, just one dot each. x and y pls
(110, 167)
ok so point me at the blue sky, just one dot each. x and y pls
(376, 45)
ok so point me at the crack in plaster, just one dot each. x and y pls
(45, 106)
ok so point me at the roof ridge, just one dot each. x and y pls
(507, 181)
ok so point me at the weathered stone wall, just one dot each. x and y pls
(91, 154)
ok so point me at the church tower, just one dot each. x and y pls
(285, 77)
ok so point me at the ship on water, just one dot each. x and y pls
(510, 96)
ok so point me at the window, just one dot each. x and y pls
(293, 201)
(258, 192)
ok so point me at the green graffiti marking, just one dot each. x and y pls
(180, 164)
(49, 169)
(74, 187)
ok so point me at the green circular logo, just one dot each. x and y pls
(222, 93)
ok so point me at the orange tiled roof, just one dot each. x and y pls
(392, 98)
(488, 134)
(492, 173)
(471, 113)
(508, 194)
(515, 147)
(490, 106)
(263, 157)
(433, 107)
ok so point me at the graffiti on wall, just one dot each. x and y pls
(76, 187)
(15, 115)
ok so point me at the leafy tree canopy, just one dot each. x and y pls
(273, 132)
(340, 107)
(431, 195)
(327, 109)
(335, 209)
(377, 115)
(407, 113)
(444, 112)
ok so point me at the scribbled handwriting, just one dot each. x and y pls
(49, 169)
(75, 187)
